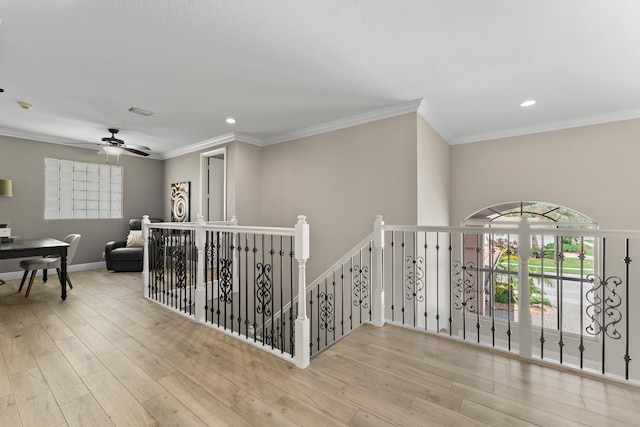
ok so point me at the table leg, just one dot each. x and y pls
(63, 273)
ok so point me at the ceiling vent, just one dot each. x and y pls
(140, 111)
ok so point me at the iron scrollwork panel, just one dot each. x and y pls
(325, 311)
(464, 286)
(264, 289)
(158, 246)
(211, 253)
(360, 285)
(603, 309)
(414, 278)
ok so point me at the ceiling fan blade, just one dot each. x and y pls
(111, 140)
(134, 151)
(89, 145)
(137, 147)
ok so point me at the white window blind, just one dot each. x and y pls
(82, 190)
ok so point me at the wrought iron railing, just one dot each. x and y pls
(172, 265)
(340, 300)
(237, 279)
(561, 295)
(576, 307)
(249, 277)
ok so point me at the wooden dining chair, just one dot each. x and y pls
(45, 263)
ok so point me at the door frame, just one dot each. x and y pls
(204, 182)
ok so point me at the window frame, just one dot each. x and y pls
(82, 190)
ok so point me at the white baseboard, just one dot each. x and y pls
(75, 267)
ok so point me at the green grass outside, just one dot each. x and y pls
(569, 266)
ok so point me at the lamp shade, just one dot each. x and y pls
(6, 188)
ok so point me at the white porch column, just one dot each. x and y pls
(200, 292)
(378, 281)
(524, 313)
(303, 327)
(145, 257)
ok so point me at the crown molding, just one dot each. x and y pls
(418, 105)
(359, 119)
(74, 143)
(550, 127)
(421, 106)
(34, 136)
(212, 142)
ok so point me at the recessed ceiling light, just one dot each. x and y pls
(528, 103)
(230, 120)
(25, 105)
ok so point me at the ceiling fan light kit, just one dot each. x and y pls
(113, 151)
(116, 146)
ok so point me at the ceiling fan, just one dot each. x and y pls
(109, 143)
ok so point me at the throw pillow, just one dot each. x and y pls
(134, 239)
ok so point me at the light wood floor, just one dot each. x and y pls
(107, 356)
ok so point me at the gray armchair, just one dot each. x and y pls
(127, 255)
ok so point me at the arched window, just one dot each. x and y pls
(538, 211)
(558, 267)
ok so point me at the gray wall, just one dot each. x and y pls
(246, 166)
(243, 181)
(433, 176)
(341, 180)
(592, 169)
(180, 169)
(23, 162)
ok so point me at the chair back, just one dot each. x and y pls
(72, 240)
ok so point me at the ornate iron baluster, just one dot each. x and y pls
(225, 281)
(463, 290)
(263, 289)
(179, 258)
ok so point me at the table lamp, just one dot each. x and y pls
(6, 190)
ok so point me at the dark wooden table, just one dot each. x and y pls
(21, 248)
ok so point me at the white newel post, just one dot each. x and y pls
(302, 329)
(378, 280)
(524, 313)
(235, 277)
(200, 292)
(145, 256)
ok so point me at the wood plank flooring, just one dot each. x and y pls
(106, 356)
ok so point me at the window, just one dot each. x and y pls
(559, 267)
(78, 190)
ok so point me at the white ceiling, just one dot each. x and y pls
(285, 68)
